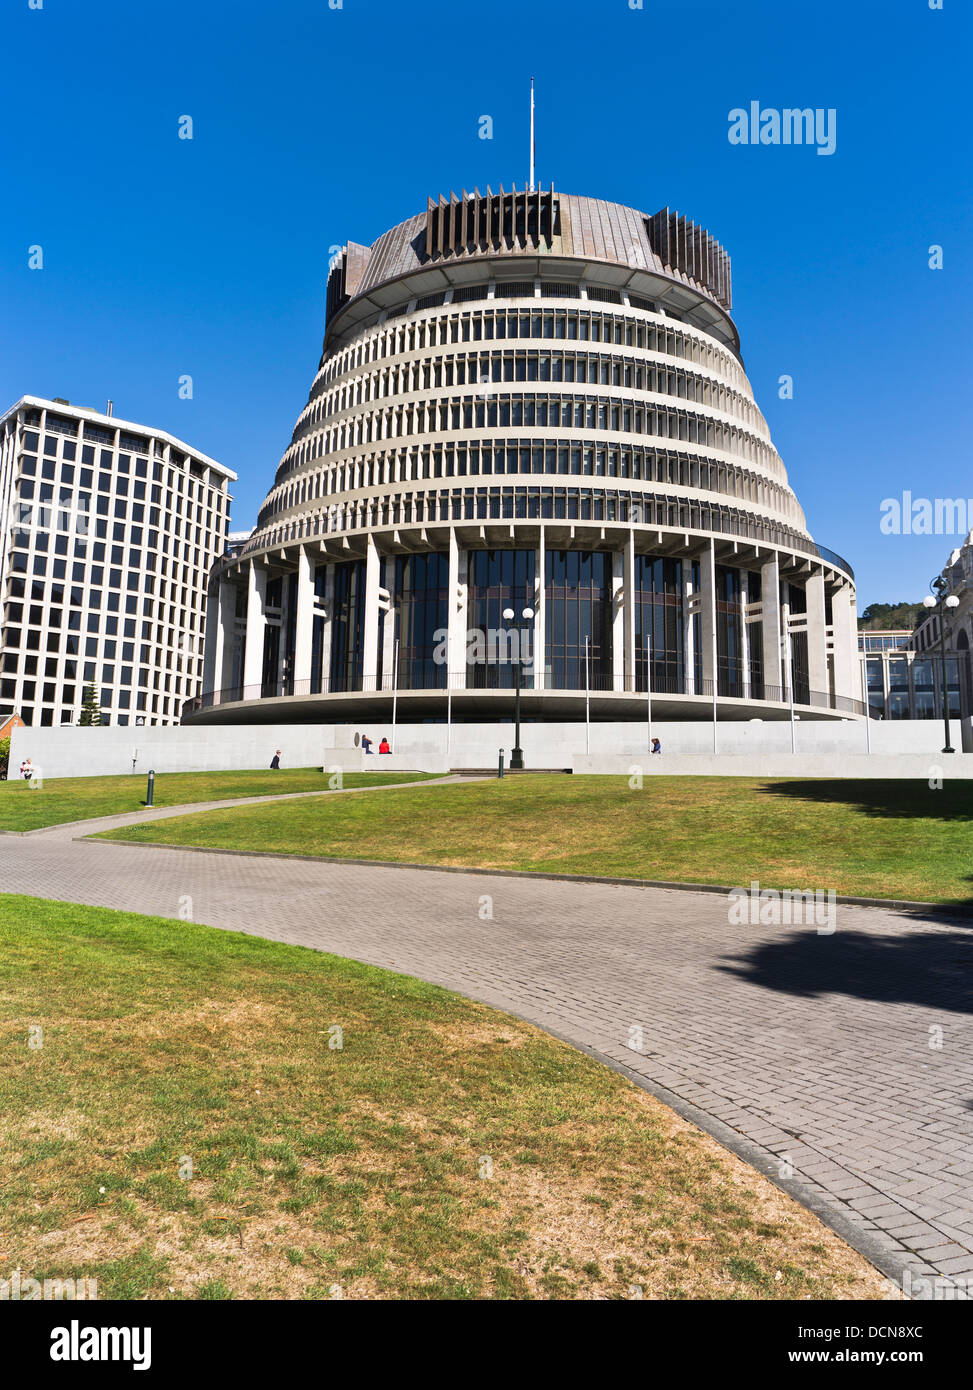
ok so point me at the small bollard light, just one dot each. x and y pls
(500, 767)
(150, 789)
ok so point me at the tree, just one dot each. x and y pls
(90, 707)
(881, 617)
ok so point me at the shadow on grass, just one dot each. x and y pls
(890, 799)
(933, 969)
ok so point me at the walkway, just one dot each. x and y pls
(846, 1059)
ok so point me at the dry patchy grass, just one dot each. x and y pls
(446, 1151)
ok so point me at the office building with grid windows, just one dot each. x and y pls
(108, 532)
(531, 403)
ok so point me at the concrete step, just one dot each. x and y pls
(510, 772)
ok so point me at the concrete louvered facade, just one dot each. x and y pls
(535, 401)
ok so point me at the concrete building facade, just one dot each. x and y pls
(530, 403)
(108, 532)
(924, 642)
(903, 681)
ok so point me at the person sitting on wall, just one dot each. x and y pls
(366, 743)
(384, 746)
(656, 746)
(275, 761)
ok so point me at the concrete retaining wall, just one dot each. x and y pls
(418, 758)
(74, 752)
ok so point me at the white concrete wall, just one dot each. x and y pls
(556, 745)
(76, 752)
(419, 757)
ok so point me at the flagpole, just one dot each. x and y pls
(587, 694)
(531, 135)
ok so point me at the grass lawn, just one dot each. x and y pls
(887, 839)
(365, 1169)
(63, 799)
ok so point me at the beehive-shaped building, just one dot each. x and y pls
(530, 402)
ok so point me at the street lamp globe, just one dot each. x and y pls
(528, 613)
(929, 601)
(508, 614)
(952, 601)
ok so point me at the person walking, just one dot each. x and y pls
(27, 769)
(275, 761)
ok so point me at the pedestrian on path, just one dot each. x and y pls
(275, 761)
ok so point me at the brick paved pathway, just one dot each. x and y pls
(848, 1057)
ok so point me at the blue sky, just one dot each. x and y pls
(311, 126)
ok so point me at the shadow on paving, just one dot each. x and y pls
(931, 969)
(890, 799)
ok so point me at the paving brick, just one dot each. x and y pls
(829, 1068)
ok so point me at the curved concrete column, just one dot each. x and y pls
(303, 618)
(370, 636)
(817, 639)
(771, 616)
(253, 651)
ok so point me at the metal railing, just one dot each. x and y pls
(833, 558)
(500, 677)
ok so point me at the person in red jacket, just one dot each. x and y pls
(384, 747)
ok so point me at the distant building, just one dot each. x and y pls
(884, 640)
(902, 669)
(108, 531)
(9, 722)
(901, 683)
(959, 625)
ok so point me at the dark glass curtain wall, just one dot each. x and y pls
(802, 685)
(659, 624)
(318, 630)
(348, 626)
(579, 606)
(729, 637)
(498, 579)
(755, 639)
(420, 593)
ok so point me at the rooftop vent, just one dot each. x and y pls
(501, 221)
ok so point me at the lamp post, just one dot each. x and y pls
(943, 602)
(522, 625)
